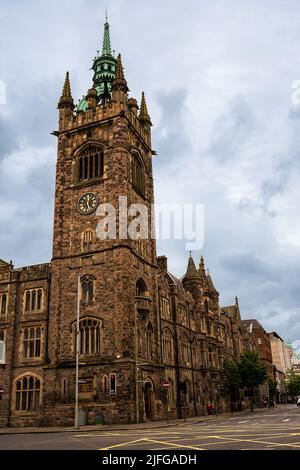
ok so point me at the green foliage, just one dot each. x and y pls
(272, 387)
(232, 379)
(292, 383)
(252, 370)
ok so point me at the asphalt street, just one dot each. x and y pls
(275, 428)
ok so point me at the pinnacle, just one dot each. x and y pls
(66, 97)
(144, 116)
(119, 69)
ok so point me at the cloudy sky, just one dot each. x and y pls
(218, 77)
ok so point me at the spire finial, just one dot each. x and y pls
(106, 50)
(106, 18)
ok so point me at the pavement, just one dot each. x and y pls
(121, 427)
(264, 429)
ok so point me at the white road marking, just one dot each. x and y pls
(242, 422)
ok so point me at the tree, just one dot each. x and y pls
(292, 383)
(272, 388)
(253, 372)
(232, 381)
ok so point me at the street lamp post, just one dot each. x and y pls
(76, 424)
(136, 367)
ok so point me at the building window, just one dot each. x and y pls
(87, 241)
(2, 347)
(90, 164)
(34, 300)
(165, 309)
(28, 394)
(141, 289)
(185, 350)
(139, 339)
(3, 304)
(89, 336)
(64, 388)
(183, 316)
(105, 384)
(137, 175)
(87, 290)
(149, 340)
(167, 346)
(32, 342)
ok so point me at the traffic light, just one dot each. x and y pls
(112, 384)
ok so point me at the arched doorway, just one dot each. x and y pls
(148, 399)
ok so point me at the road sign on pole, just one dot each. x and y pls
(166, 383)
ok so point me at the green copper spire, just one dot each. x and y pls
(104, 68)
(106, 50)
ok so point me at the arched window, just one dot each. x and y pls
(141, 289)
(28, 394)
(64, 387)
(32, 342)
(138, 175)
(167, 346)
(90, 163)
(149, 340)
(87, 289)
(2, 347)
(3, 304)
(89, 336)
(34, 300)
(39, 299)
(87, 241)
(185, 349)
(105, 384)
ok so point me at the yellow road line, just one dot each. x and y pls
(123, 444)
(277, 444)
(173, 445)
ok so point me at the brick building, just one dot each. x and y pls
(132, 310)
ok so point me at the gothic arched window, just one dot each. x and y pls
(89, 336)
(141, 289)
(138, 175)
(3, 304)
(87, 241)
(32, 342)
(90, 163)
(167, 346)
(87, 289)
(28, 393)
(149, 340)
(34, 300)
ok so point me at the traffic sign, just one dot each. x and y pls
(166, 383)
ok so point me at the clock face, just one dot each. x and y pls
(87, 204)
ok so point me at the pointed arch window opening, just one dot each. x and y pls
(87, 291)
(89, 337)
(3, 304)
(87, 241)
(138, 175)
(28, 394)
(90, 164)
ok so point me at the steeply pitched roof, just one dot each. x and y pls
(211, 287)
(3, 263)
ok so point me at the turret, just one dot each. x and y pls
(192, 280)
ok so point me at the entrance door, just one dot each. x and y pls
(148, 397)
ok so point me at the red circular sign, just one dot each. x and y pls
(166, 384)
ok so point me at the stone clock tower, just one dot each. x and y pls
(104, 153)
